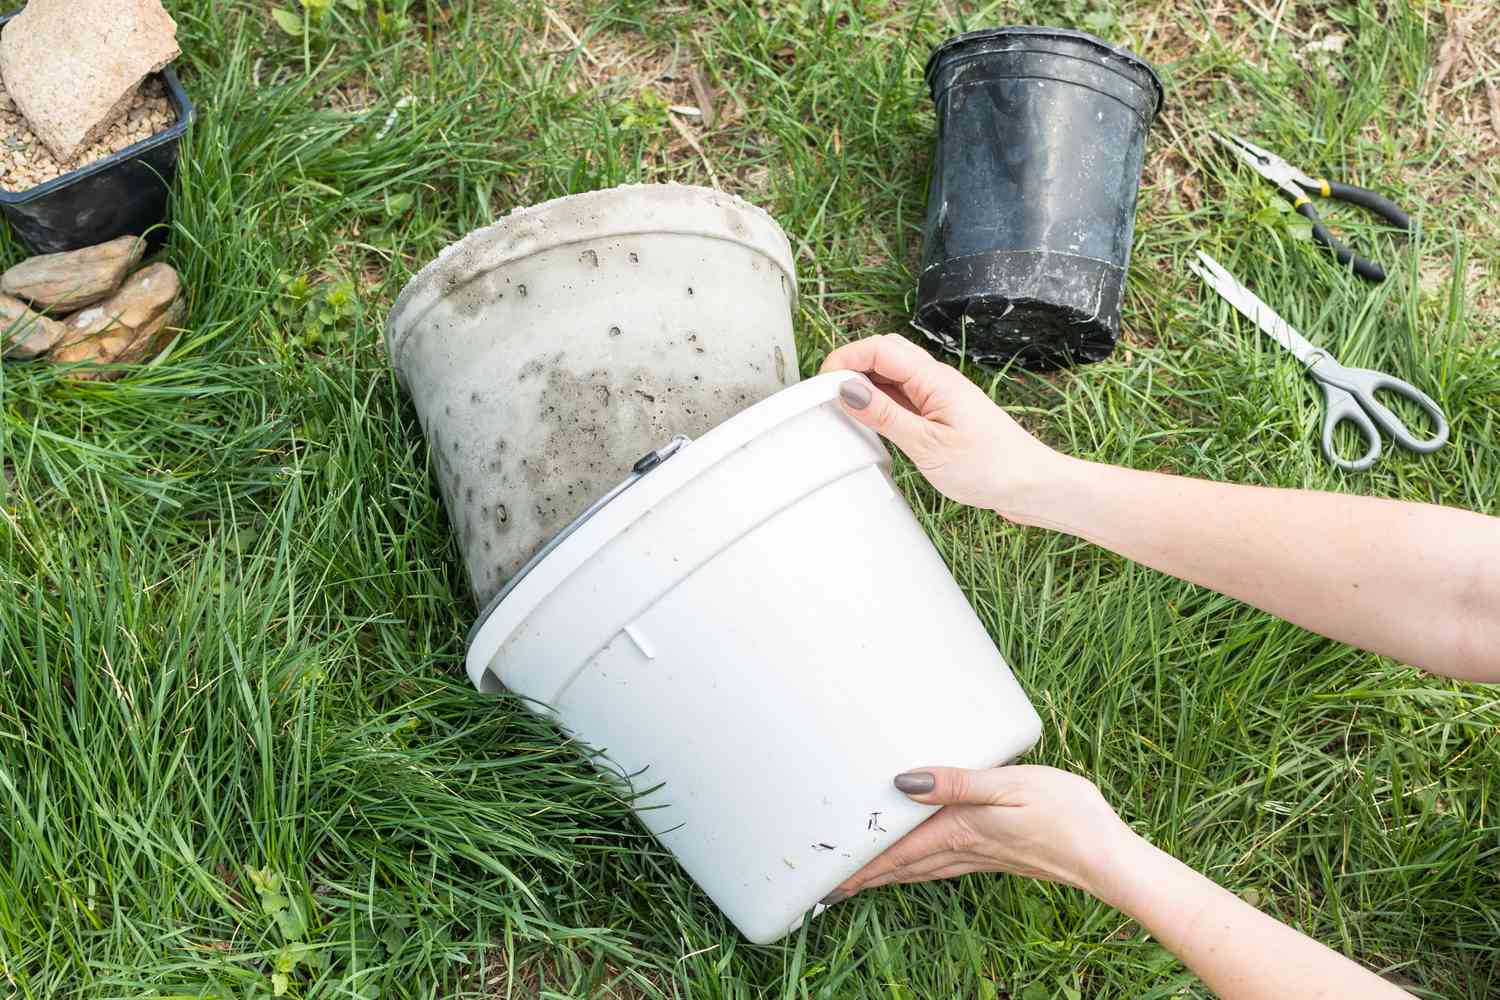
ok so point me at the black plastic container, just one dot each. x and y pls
(124, 193)
(1041, 133)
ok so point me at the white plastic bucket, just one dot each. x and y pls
(548, 351)
(760, 627)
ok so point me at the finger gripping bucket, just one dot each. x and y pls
(1041, 134)
(757, 635)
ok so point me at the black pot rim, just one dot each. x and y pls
(946, 48)
(185, 114)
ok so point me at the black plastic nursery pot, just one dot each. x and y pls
(1041, 134)
(125, 193)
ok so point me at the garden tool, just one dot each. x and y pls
(1296, 185)
(1349, 392)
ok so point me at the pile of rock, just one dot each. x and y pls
(109, 315)
(72, 73)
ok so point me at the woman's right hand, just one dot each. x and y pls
(964, 444)
(1049, 824)
(1022, 819)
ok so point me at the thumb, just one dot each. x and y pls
(955, 785)
(867, 404)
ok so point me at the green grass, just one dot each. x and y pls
(234, 729)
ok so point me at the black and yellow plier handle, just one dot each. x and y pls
(1297, 186)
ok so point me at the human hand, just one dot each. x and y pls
(964, 444)
(1021, 819)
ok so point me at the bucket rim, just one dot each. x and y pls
(423, 291)
(572, 547)
(947, 47)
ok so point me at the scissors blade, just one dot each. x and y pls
(1253, 309)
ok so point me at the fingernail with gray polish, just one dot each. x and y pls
(836, 896)
(856, 393)
(915, 782)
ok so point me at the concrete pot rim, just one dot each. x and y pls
(609, 213)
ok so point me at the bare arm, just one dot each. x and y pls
(1238, 951)
(1049, 824)
(1415, 582)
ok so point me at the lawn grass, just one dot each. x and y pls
(236, 741)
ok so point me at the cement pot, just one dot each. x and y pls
(547, 353)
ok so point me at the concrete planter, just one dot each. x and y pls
(545, 354)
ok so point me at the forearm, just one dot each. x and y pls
(1416, 582)
(1239, 952)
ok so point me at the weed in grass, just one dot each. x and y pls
(315, 314)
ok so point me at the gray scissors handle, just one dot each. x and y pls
(1350, 393)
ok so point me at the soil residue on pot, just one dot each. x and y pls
(557, 346)
(573, 219)
(584, 415)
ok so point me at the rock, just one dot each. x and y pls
(148, 342)
(72, 66)
(67, 281)
(26, 334)
(130, 326)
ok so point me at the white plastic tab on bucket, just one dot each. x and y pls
(758, 633)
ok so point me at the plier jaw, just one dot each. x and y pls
(1270, 166)
(1299, 187)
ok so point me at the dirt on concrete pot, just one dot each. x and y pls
(547, 353)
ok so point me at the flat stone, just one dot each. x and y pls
(72, 66)
(63, 282)
(147, 343)
(129, 326)
(26, 334)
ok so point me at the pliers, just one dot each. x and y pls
(1295, 184)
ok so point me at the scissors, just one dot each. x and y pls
(1349, 392)
(1295, 184)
